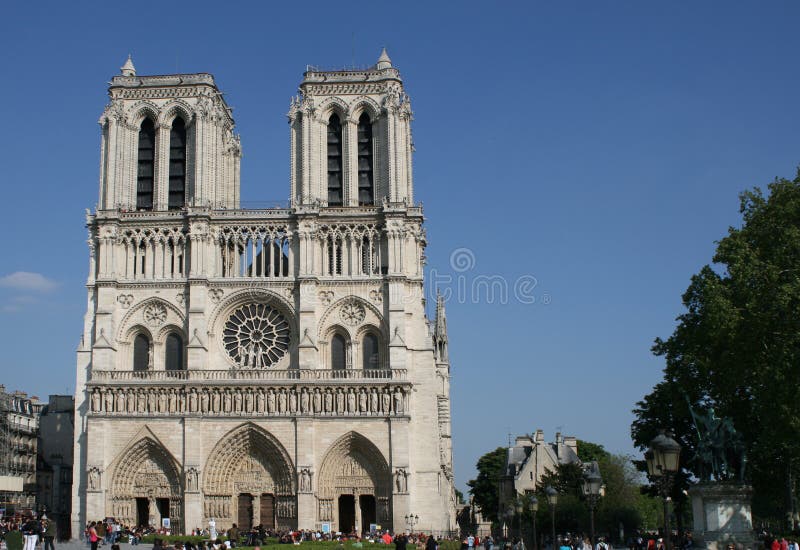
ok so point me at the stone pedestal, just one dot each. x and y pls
(722, 515)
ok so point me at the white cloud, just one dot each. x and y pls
(25, 280)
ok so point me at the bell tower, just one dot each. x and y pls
(351, 138)
(167, 144)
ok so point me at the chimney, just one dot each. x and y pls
(539, 436)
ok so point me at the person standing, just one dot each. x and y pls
(30, 532)
(94, 538)
(49, 534)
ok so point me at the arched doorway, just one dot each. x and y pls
(146, 487)
(354, 485)
(249, 480)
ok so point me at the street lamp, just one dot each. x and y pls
(508, 517)
(663, 460)
(592, 487)
(533, 507)
(552, 500)
(411, 521)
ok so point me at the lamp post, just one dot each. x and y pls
(592, 485)
(552, 500)
(663, 459)
(508, 517)
(411, 521)
(533, 507)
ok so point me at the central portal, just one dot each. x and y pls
(245, 515)
(347, 513)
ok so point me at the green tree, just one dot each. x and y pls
(588, 451)
(485, 487)
(737, 348)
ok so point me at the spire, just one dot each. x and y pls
(128, 69)
(383, 61)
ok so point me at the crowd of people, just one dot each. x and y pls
(35, 531)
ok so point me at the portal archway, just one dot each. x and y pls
(355, 484)
(249, 480)
(146, 486)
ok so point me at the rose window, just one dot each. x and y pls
(256, 336)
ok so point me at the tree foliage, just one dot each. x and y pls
(485, 487)
(623, 502)
(737, 347)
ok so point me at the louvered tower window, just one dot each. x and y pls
(146, 168)
(335, 196)
(177, 165)
(366, 187)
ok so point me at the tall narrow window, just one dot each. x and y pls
(370, 349)
(338, 352)
(174, 352)
(146, 168)
(335, 196)
(334, 256)
(141, 352)
(366, 188)
(177, 164)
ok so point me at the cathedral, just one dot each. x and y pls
(261, 366)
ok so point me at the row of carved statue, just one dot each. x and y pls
(361, 401)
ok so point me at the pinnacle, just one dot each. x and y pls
(383, 61)
(128, 69)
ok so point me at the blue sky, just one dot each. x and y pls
(597, 147)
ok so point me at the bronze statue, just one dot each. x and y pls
(720, 448)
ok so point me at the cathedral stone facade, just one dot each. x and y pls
(271, 366)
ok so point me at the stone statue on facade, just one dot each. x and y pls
(305, 480)
(94, 479)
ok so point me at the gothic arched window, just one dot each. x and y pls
(141, 352)
(338, 352)
(335, 195)
(173, 359)
(145, 175)
(177, 164)
(370, 351)
(366, 187)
